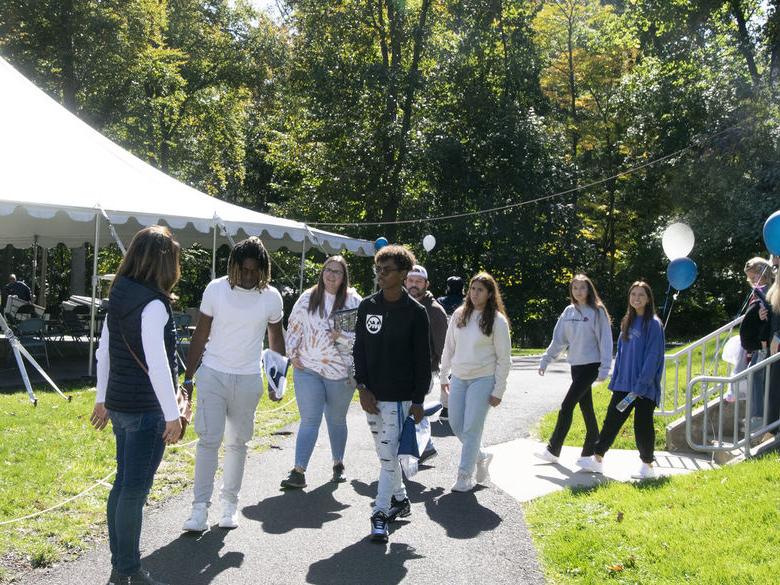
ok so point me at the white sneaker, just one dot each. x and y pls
(465, 483)
(582, 461)
(545, 455)
(591, 464)
(229, 515)
(645, 471)
(483, 468)
(198, 520)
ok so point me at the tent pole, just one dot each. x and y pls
(303, 261)
(33, 298)
(44, 269)
(94, 292)
(214, 254)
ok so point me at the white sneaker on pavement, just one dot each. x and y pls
(198, 520)
(229, 515)
(591, 464)
(465, 483)
(545, 455)
(483, 468)
(581, 461)
(645, 471)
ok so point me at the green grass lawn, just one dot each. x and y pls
(521, 351)
(711, 527)
(50, 453)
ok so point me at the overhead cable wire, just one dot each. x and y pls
(535, 200)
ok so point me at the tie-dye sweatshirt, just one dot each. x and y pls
(309, 338)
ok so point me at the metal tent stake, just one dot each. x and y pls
(19, 352)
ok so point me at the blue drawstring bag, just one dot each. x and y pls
(407, 443)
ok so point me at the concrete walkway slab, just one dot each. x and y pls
(523, 476)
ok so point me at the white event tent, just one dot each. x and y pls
(63, 182)
(58, 174)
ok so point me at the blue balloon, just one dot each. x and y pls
(682, 273)
(380, 243)
(772, 233)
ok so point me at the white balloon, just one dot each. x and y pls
(677, 241)
(429, 243)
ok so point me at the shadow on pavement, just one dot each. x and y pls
(364, 562)
(461, 515)
(297, 509)
(193, 559)
(441, 428)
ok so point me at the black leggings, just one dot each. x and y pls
(644, 431)
(582, 377)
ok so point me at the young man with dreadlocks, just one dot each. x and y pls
(393, 373)
(235, 312)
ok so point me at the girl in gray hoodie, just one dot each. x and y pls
(584, 328)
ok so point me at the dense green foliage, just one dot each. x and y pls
(364, 111)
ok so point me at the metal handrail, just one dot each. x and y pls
(686, 353)
(717, 384)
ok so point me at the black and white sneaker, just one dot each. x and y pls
(379, 527)
(399, 509)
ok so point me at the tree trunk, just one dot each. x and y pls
(78, 271)
(743, 41)
(395, 189)
(67, 57)
(773, 41)
(572, 87)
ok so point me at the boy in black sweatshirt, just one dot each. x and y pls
(393, 374)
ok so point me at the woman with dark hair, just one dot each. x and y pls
(321, 374)
(584, 330)
(136, 388)
(636, 381)
(235, 313)
(477, 351)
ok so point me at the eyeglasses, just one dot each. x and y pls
(384, 270)
(333, 272)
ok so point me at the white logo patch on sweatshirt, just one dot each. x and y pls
(374, 323)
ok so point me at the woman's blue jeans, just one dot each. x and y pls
(316, 395)
(468, 407)
(139, 450)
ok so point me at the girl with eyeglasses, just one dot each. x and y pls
(321, 374)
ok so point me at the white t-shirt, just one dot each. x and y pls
(240, 317)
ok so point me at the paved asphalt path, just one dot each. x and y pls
(319, 536)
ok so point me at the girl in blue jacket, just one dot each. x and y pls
(636, 377)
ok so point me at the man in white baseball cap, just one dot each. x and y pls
(416, 284)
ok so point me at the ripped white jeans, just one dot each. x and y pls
(386, 430)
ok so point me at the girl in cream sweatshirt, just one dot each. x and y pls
(477, 351)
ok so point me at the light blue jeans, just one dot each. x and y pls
(468, 408)
(316, 395)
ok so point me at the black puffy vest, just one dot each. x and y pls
(129, 387)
